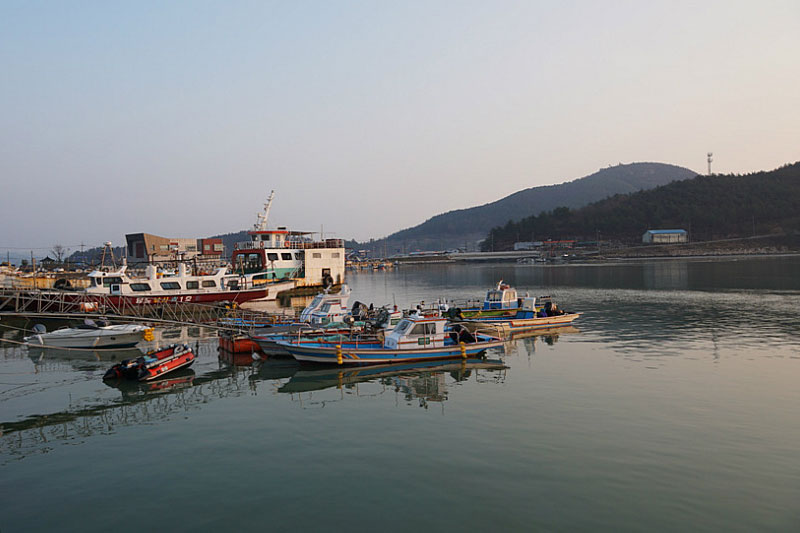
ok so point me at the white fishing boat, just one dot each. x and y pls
(179, 286)
(89, 335)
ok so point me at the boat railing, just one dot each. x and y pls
(294, 245)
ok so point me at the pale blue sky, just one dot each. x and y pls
(177, 118)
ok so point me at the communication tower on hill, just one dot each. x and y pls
(710, 159)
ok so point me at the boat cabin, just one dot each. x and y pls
(501, 297)
(417, 331)
(325, 307)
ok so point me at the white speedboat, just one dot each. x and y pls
(88, 335)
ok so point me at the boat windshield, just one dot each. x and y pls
(403, 326)
(315, 302)
(249, 263)
(494, 296)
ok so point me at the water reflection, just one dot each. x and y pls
(524, 343)
(676, 322)
(666, 275)
(137, 403)
(59, 359)
(174, 381)
(308, 379)
(186, 391)
(416, 383)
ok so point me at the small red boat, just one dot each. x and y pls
(153, 364)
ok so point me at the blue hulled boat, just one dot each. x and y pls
(415, 338)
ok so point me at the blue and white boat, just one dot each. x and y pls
(415, 338)
(529, 315)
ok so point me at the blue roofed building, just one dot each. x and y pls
(665, 236)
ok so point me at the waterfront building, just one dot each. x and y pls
(665, 236)
(148, 248)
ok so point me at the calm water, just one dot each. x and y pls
(675, 407)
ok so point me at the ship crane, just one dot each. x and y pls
(261, 225)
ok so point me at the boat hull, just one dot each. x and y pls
(118, 337)
(507, 325)
(273, 290)
(377, 354)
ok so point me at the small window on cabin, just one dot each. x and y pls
(192, 284)
(112, 281)
(140, 287)
(419, 329)
(316, 255)
(170, 285)
(209, 283)
(286, 256)
(272, 256)
(259, 277)
(298, 256)
(335, 255)
(218, 247)
(207, 247)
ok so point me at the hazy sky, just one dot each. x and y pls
(177, 118)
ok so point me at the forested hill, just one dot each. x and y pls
(708, 207)
(455, 228)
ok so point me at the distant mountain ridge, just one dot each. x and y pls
(456, 228)
(708, 207)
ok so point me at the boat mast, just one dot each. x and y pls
(261, 225)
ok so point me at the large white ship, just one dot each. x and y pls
(282, 254)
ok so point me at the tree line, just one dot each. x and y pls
(708, 207)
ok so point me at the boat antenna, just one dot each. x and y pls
(261, 225)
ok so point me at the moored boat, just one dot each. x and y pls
(89, 335)
(328, 315)
(153, 364)
(528, 316)
(501, 300)
(182, 286)
(415, 338)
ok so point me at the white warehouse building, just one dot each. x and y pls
(665, 236)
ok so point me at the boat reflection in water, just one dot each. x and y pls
(180, 393)
(59, 359)
(426, 381)
(179, 379)
(527, 339)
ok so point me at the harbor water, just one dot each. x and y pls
(671, 405)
